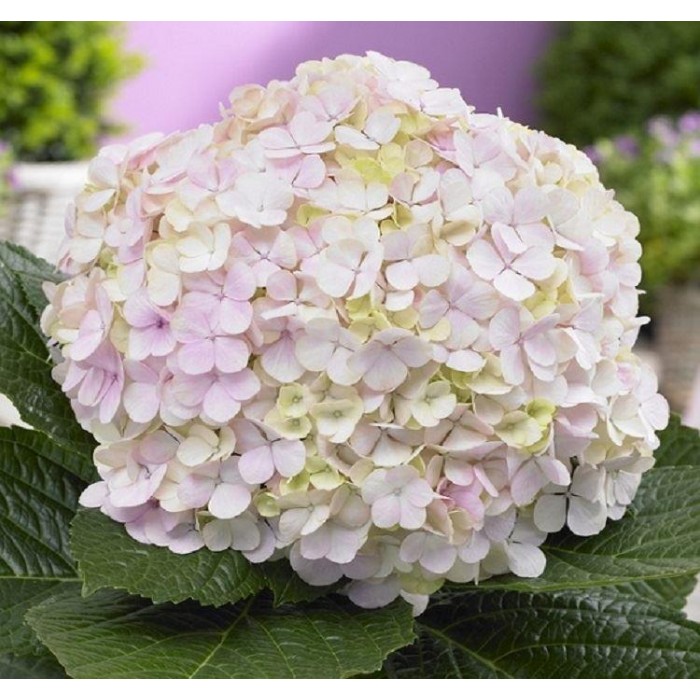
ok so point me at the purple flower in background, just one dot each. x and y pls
(593, 152)
(627, 146)
(663, 130)
(689, 123)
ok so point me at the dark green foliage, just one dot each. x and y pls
(603, 78)
(57, 78)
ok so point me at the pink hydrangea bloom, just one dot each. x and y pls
(356, 325)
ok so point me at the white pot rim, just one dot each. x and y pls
(68, 176)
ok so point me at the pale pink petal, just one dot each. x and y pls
(333, 279)
(219, 405)
(235, 316)
(257, 466)
(386, 372)
(484, 259)
(527, 483)
(412, 351)
(402, 275)
(433, 270)
(439, 558)
(240, 283)
(433, 307)
(513, 285)
(541, 350)
(530, 205)
(535, 263)
(280, 362)
(317, 544)
(344, 545)
(465, 361)
(289, 456)
(504, 329)
(197, 357)
(141, 402)
(412, 517)
(94, 495)
(512, 365)
(229, 500)
(242, 385)
(195, 491)
(311, 173)
(386, 512)
(554, 470)
(139, 312)
(230, 354)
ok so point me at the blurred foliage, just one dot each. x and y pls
(656, 174)
(6, 181)
(603, 78)
(57, 79)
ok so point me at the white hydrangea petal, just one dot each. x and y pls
(550, 513)
(228, 501)
(585, 517)
(525, 559)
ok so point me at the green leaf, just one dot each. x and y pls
(110, 635)
(38, 498)
(31, 273)
(658, 538)
(671, 592)
(43, 666)
(596, 633)
(287, 587)
(679, 445)
(109, 558)
(25, 366)
(17, 596)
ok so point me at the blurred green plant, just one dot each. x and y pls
(6, 181)
(604, 78)
(656, 174)
(57, 80)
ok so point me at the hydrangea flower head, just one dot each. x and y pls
(356, 325)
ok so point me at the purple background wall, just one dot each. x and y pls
(192, 66)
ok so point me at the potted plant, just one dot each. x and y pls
(58, 78)
(656, 174)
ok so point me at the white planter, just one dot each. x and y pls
(36, 210)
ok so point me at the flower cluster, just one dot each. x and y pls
(356, 325)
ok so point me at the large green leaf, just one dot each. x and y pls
(109, 558)
(39, 666)
(596, 633)
(25, 366)
(111, 635)
(38, 498)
